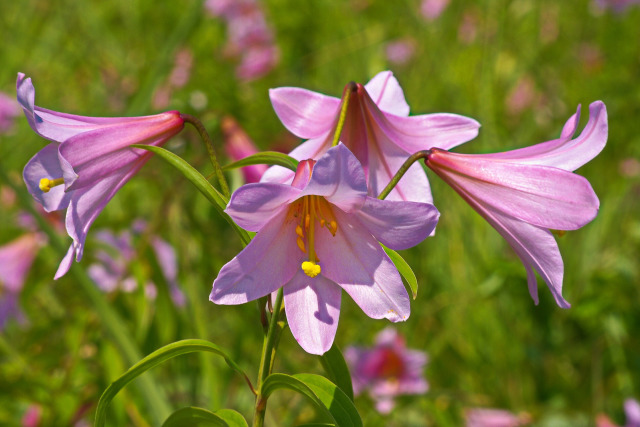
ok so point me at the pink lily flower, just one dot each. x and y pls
(527, 192)
(317, 236)
(387, 370)
(377, 129)
(91, 156)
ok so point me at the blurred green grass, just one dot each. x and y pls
(489, 345)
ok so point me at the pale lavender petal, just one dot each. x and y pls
(16, 258)
(535, 246)
(66, 262)
(566, 153)
(45, 164)
(167, 259)
(304, 113)
(357, 263)
(386, 92)
(87, 203)
(268, 262)
(398, 225)
(253, 206)
(484, 417)
(540, 195)
(632, 412)
(9, 308)
(104, 278)
(338, 176)
(313, 310)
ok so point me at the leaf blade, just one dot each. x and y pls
(404, 269)
(265, 157)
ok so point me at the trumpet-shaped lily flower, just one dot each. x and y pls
(387, 370)
(524, 193)
(89, 160)
(377, 129)
(316, 236)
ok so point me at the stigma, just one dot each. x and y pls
(47, 184)
(311, 269)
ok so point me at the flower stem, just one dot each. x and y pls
(212, 153)
(268, 355)
(350, 88)
(403, 169)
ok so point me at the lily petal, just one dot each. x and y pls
(313, 309)
(304, 113)
(398, 225)
(254, 206)
(385, 90)
(263, 266)
(539, 195)
(338, 176)
(357, 263)
(45, 164)
(566, 153)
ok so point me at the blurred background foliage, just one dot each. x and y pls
(519, 67)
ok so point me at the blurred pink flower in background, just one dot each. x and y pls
(485, 417)
(178, 78)
(16, 258)
(111, 271)
(238, 145)
(9, 110)
(32, 416)
(631, 411)
(387, 369)
(522, 96)
(617, 6)
(250, 39)
(432, 9)
(630, 167)
(400, 51)
(468, 29)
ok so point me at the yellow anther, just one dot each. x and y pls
(311, 269)
(47, 184)
(307, 221)
(322, 222)
(333, 227)
(559, 233)
(299, 231)
(301, 245)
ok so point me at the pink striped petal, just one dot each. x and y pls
(304, 113)
(386, 92)
(268, 262)
(543, 196)
(356, 262)
(313, 310)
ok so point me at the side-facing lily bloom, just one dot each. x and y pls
(89, 160)
(387, 370)
(377, 129)
(317, 236)
(524, 193)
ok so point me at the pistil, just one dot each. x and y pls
(47, 184)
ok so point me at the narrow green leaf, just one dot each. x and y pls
(201, 183)
(337, 370)
(265, 158)
(199, 417)
(327, 397)
(167, 352)
(404, 269)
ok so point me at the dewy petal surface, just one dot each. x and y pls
(540, 195)
(268, 262)
(313, 309)
(357, 263)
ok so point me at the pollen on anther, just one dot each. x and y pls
(299, 231)
(333, 227)
(301, 245)
(307, 220)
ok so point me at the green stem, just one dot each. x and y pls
(212, 153)
(268, 355)
(346, 96)
(110, 320)
(403, 169)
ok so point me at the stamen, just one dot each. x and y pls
(333, 227)
(311, 269)
(47, 184)
(299, 231)
(307, 221)
(301, 245)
